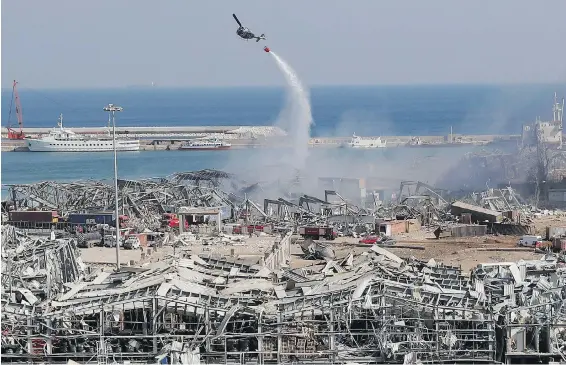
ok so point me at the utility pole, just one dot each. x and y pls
(112, 109)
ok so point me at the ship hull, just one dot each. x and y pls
(35, 145)
(368, 147)
(205, 148)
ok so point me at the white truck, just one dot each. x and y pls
(530, 241)
(132, 243)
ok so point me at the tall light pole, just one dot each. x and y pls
(112, 109)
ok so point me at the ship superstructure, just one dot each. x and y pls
(61, 139)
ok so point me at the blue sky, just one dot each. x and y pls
(104, 43)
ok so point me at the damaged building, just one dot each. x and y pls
(196, 309)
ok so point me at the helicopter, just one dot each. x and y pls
(245, 33)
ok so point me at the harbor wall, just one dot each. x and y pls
(155, 142)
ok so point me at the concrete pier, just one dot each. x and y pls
(171, 138)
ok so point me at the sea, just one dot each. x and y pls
(415, 110)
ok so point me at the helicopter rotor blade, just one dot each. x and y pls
(237, 21)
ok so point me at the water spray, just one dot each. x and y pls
(296, 117)
(279, 167)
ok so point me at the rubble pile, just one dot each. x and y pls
(372, 307)
(142, 200)
(36, 269)
(145, 201)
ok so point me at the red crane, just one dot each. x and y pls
(12, 134)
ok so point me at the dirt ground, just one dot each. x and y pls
(107, 255)
(466, 252)
(251, 249)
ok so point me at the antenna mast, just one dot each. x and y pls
(558, 109)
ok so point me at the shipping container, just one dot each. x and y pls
(559, 244)
(552, 232)
(39, 216)
(238, 229)
(91, 218)
(318, 232)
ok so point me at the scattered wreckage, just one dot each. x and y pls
(211, 308)
(373, 307)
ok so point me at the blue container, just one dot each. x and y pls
(91, 218)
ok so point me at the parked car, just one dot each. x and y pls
(370, 240)
(110, 241)
(381, 240)
(132, 243)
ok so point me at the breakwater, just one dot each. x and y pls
(156, 142)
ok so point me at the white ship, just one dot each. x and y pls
(202, 144)
(366, 142)
(65, 140)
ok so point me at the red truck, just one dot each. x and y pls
(250, 228)
(316, 232)
(172, 220)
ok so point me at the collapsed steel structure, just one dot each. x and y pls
(143, 199)
(371, 308)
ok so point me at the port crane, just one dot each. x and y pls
(12, 134)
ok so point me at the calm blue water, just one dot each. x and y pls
(400, 110)
(383, 110)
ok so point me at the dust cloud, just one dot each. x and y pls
(278, 166)
(289, 166)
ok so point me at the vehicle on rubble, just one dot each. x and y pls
(171, 220)
(380, 240)
(370, 240)
(318, 232)
(110, 241)
(248, 229)
(90, 239)
(132, 243)
(530, 241)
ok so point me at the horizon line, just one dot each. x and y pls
(313, 86)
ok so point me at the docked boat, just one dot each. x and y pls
(64, 140)
(207, 145)
(366, 142)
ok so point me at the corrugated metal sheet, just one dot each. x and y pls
(480, 213)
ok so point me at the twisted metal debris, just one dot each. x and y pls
(373, 307)
(143, 200)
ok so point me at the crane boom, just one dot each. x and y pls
(12, 134)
